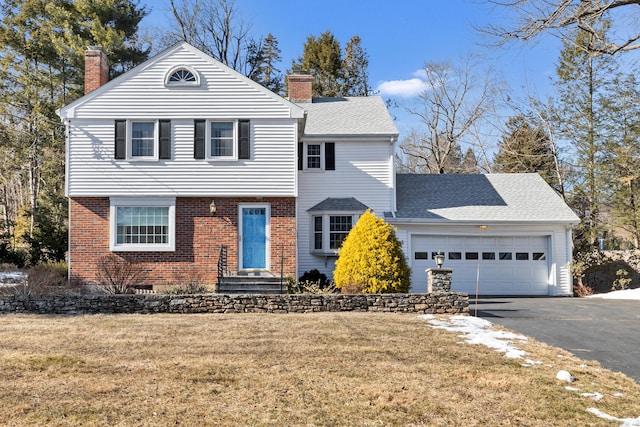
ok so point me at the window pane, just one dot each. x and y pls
(539, 256)
(505, 256)
(488, 255)
(421, 255)
(222, 139)
(455, 255)
(317, 234)
(522, 256)
(313, 156)
(142, 139)
(145, 225)
(339, 227)
(471, 255)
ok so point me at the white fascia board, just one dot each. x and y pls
(386, 138)
(476, 222)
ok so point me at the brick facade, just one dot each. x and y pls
(199, 236)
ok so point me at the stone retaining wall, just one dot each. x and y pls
(433, 303)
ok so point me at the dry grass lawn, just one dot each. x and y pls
(329, 369)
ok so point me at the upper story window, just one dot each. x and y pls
(182, 76)
(222, 137)
(222, 140)
(142, 139)
(317, 156)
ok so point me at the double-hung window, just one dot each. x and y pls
(222, 140)
(142, 139)
(222, 136)
(317, 156)
(142, 224)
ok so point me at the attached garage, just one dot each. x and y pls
(496, 265)
(504, 234)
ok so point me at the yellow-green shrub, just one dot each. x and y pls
(371, 259)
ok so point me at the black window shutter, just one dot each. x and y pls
(244, 139)
(329, 156)
(198, 138)
(300, 155)
(165, 139)
(121, 139)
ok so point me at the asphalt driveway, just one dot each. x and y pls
(594, 329)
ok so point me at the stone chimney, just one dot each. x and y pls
(96, 68)
(300, 87)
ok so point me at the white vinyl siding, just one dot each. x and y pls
(271, 171)
(220, 94)
(363, 170)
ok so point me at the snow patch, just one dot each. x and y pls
(626, 422)
(475, 330)
(628, 294)
(595, 396)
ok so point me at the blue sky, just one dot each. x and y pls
(400, 37)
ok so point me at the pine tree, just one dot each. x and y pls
(354, 69)
(622, 164)
(42, 47)
(525, 147)
(263, 58)
(371, 259)
(322, 59)
(581, 86)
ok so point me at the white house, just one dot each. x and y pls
(191, 170)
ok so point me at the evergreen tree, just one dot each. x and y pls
(581, 86)
(333, 75)
(622, 163)
(42, 47)
(355, 69)
(322, 59)
(525, 147)
(263, 58)
(371, 259)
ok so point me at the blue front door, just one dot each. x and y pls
(254, 238)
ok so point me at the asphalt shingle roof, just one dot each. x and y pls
(348, 116)
(339, 204)
(483, 198)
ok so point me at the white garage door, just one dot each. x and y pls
(503, 265)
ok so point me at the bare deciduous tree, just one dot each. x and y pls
(562, 17)
(457, 98)
(214, 27)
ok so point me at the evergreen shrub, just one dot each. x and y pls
(371, 260)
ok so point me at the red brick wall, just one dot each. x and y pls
(199, 236)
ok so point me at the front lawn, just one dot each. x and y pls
(360, 369)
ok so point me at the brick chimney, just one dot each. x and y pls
(96, 68)
(300, 87)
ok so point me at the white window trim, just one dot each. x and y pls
(305, 165)
(326, 232)
(169, 83)
(115, 202)
(234, 156)
(156, 141)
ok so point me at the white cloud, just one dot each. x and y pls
(402, 88)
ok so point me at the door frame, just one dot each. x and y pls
(267, 232)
